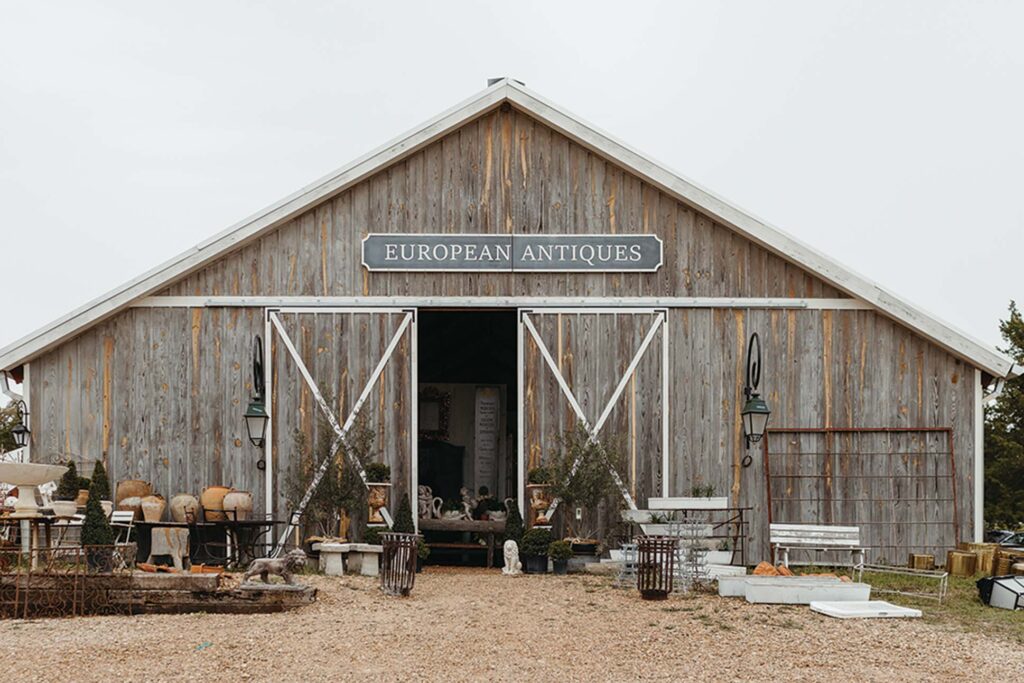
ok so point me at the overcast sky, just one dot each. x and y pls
(887, 134)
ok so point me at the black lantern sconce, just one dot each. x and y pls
(256, 414)
(755, 411)
(21, 432)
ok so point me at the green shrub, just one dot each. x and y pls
(403, 517)
(96, 530)
(422, 549)
(539, 475)
(100, 481)
(514, 525)
(536, 541)
(378, 473)
(67, 489)
(560, 550)
(372, 535)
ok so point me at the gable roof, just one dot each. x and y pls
(507, 90)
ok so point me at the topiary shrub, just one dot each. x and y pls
(403, 517)
(540, 476)
(514, 525)
(378, 473)
(100, 482)
(96, 530)
(536, 542)
(372, 536)
(422, 549)
(67, 489)
(560, 550)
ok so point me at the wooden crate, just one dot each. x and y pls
(961, 563)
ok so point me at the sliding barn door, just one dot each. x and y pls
(606, 369)
(339, 372)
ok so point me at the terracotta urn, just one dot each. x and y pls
(376, 498)
(133, 503)
(83, 497)
(185, 508)
(238, 505)
(153, 508)
(212, 500)
(540, 502)
(132, 488)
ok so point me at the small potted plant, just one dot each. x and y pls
(538, 481)
(64, 499)
(494, 510)
(534, 550)
(378, 478)
(422, 553)
(560, 552)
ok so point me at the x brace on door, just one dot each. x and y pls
(592, 430)
(340, 431)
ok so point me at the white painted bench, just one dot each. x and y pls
(363, 558)
(814, 538)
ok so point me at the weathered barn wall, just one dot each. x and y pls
(159, 392)
(502, 173)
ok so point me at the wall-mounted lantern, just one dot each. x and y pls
(21, 432)
(755, 412)
(256, 414)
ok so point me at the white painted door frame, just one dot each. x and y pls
(274, 324)
(526, 326)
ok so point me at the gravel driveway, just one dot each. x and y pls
(473, 625)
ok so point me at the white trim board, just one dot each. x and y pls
(573, 303)
(978, 353)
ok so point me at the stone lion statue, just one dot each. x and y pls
(512, 564)
(281, 566)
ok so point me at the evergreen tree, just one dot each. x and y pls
(67, 489)
(100, 482)
(403, 517)
(514, 525)
(1004, 437)
(96, 529)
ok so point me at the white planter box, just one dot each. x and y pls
(784, 592)
(689, 503)
(873, 609)
(719, 557)
(736, 586)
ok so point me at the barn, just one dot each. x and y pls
(473, 289)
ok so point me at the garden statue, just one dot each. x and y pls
(539, 505)
(377, 497)
(282, 566)
(468, 502)
(426, 502)
(512, 564)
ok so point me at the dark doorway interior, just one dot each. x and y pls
(467, 424)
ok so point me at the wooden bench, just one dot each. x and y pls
(810, 537)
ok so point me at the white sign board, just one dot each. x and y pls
(485, 437)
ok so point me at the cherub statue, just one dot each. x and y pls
(468, 502)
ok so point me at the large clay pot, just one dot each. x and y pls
(185, 508)
(133, 503)
(83, 497)
(132, 488)
(212, 500)
(153, 508)
(238, 505)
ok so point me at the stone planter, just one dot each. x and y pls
(153, 508)
(64, 508)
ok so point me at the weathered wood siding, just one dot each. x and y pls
(159, 392)
(502, 173)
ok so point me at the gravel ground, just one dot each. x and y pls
(472, 625)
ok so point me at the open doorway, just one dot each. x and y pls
(467, 425)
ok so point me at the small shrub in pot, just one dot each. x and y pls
(378, 473)
(560, 552)
(534, 550)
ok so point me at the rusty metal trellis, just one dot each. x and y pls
(655, 566)
(898, 484)
(64, 582)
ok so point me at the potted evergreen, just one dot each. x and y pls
(560, 552)
(422, 553)
(97, 535)
(534, 550)
(403, 517)
(64, 503)
(514, 525)
(102, 486)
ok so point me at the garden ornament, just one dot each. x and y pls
(282, 566)
(512, 564)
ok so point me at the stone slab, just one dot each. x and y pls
(871, 609)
